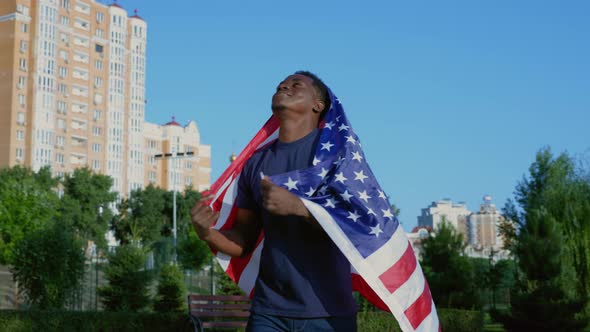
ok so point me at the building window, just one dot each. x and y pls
(59, 158)
(62, 88)
(98, 64)
(189, 165)
(152, 176)
(23, 45)
(99, 17)
(19, 153)
(61, 124)
(59, 140)
(188, 181)
(64, 20)
(21, 100)
(98, 48)
(21, 82)
(22, 64)
(96, 165)
(97, 115)
(62, 107)
(97, 82)
(63, 72)
(99, 33)
(65, 4)
(20, 118)
(95, 147)
(20, 135)
(24, 27)
(97, 131)
(22, 9)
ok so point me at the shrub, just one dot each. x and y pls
(171, 290)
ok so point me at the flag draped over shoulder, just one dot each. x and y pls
(343, 195)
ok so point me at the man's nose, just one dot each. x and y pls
(283, 86)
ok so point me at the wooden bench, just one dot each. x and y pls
(218, 311)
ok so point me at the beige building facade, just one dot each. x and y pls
(72, 94)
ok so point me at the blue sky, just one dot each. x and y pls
(450, 98)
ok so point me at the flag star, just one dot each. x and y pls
(330, 202)
(370, 211)
(329, 125)
(360, 176)
(387, 214)
(339, 161)
(338, 117)
(291, 184)
(353, 216)
(364, 196)
(327, 146)
(316, 161)
(340, 177)
(382, 194)
(350, 139)
(323, 173)
(343, 127)
(376, 230)
(310, 192)
(346, 196)
(357, 156)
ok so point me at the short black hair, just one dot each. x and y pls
(321, 88)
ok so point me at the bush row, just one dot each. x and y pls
(66, 321)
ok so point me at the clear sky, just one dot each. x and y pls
(451, 99)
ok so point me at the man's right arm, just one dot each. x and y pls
(237, 241)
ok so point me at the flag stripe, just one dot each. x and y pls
(389, 253)
(430, 323)
(401, 271)
(418, 311)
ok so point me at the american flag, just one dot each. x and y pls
(342, 193)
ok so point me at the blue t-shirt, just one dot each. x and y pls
(302, 272)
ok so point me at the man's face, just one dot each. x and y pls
(295, 93)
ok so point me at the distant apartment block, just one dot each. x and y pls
(480, 230)
(72, 94)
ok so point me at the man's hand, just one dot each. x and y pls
(280, 201)
(203, 217)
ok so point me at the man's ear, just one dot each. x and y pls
(318, 106)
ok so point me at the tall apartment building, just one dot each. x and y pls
(454, 213)
(72, 90)
(483, 226)
(176, 173)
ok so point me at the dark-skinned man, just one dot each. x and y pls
(304, 282)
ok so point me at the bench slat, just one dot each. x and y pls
(225, 324)
(221, 314)
(222, 298)
(219, 306)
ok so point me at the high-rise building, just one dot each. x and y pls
(72, 93)
(483, 226)
(455, 214)
(176, 173)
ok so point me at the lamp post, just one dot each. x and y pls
(174, 156)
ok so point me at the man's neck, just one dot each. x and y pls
(292, 130)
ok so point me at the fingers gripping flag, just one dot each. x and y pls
(342, 193)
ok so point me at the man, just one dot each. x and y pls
(304, 282)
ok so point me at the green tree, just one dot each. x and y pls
(171, 291)
(27, 203)
(450, 274)
(550, 242)
(84, 205)
(141, 219)
(128, 280)
(49, 266)
(193, 253)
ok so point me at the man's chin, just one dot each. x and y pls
(278, 107)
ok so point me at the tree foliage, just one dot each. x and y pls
(141, 217)
(84, 205)
(128, 280)
(27, 203)
(550, 244)
(171, 291)
(449, 273)
(48, 264)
